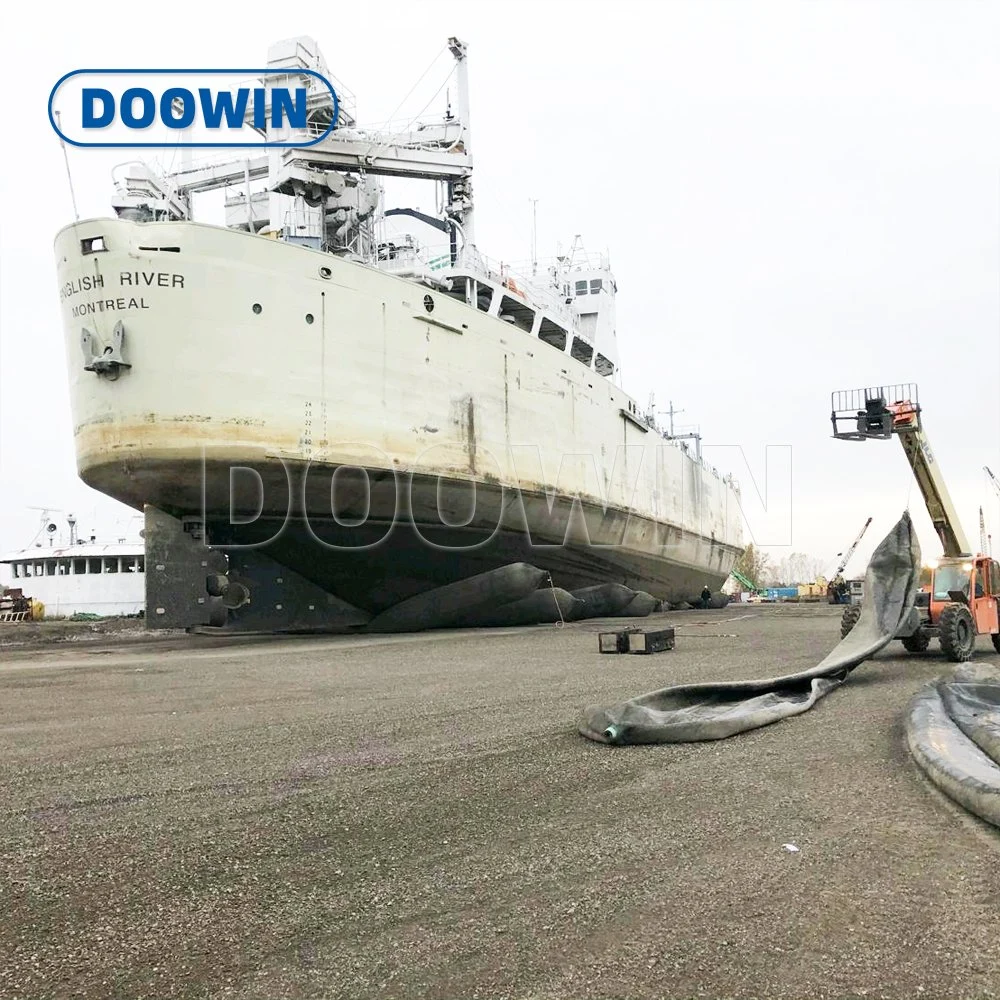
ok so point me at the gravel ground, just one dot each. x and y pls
(415, 816)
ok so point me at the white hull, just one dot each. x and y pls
(459, 418)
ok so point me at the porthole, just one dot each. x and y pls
(257, 308)
(325, 272)
(309, 317)
(429, 303)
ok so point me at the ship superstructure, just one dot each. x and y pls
(374, 411)
(65, 574)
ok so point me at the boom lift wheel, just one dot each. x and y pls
(849, 619)
(918, 642)
(958, 632)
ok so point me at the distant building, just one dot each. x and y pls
(81, 577)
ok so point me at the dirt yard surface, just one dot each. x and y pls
(32, 635)
(416, 816)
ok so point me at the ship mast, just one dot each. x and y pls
(460, 191)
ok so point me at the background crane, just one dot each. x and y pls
(837, 591)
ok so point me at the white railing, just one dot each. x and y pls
(546, 297)
(439, 135)
(568, 264)
(435, 259)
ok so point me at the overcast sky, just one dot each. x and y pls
(796, 197)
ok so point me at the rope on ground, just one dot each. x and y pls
(561, 623)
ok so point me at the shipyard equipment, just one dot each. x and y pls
(744, 581)
(962, 601)
(838, 590)
(995, 483)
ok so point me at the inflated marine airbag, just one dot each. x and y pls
(450, 605)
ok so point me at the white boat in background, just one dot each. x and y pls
(318, 395)
(73, 576)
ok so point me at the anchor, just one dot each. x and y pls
(109, 361)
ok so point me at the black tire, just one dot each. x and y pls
(958, 632)
(996, 641)
(918, 642)
(849, 619)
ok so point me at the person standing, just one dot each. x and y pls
(706, 596)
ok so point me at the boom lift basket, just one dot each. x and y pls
(875, 412)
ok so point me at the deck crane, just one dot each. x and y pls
(837, 591)
(964, 595)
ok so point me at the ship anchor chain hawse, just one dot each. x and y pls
(331, 422)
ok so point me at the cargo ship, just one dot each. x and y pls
(317, 391)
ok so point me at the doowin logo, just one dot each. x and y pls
(202, 108)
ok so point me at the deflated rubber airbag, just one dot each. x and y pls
(712, 711)
(950, 758)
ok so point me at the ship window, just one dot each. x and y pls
(517, 313)
(79, 566)
(64, 567)
(25, 569)
(459, 289)
(133, 565)
(15, 569)
(552, 334)
(39, 571)
(595, 286)
(602, 366)
(110, 564)
(581, 350)
(141, 563)
(581, 288)
(485, 297)
(93, 244)
(50, 567)
(94, 565)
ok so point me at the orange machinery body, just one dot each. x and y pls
(979, 581)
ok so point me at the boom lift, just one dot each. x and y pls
(964, 594)
(837, 591)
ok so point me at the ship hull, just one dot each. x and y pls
(322, 410)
